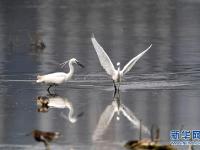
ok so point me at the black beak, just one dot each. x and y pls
(80, 114)
(81, 65)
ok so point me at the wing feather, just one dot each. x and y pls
(132, 118)
(132, 62)
(103, 57)
(103, 122)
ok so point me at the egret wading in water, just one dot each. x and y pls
(116, 74)
(58, 78)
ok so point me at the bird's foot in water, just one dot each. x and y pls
(116, 88)
(116, 91)
(51, 93)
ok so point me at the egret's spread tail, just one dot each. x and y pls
(39, 79)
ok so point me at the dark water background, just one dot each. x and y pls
(162, 89)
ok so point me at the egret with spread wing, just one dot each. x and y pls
(57, 78)
(106, 63)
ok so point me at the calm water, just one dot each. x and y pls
(162, 89)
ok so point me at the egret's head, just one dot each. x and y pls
(74, 60)
(118, 64)
(72, 120)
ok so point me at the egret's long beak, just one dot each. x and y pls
(64, 63)
(81, 65)
(80, 114)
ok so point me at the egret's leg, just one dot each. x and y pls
(53, 94)
(114, 87)
(118, 87)
(55, 85)
(48, 90)
(114, 93)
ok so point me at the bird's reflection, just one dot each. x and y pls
(44, 103)
(37, 42)
(45, 137)
(116, 108)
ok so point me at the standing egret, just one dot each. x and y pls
(108, 65)
(57, 78)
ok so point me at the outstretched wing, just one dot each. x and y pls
(132, 118)
(132, 62)
(103, 57)
(104, 122)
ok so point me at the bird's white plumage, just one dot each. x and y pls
(56, 78)
(108, 114)
(107, 64)
(61, 102)
(132, 118)
(104, 122)
(103, 58)
(132, 62)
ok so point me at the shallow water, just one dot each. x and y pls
(162, 89)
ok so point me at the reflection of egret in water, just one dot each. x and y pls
(55, 101)
(37, 42)
(116, 107)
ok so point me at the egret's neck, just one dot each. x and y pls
(118, 69)
(118, 112)
(71, 69)
(118, 74)
(71, 112)
(70, 115)
(116, 105)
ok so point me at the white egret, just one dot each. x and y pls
(116, 107)
(46, 102)
(106, 63)
(57, 78)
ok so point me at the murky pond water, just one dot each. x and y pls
(162, 89)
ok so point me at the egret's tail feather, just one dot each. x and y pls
(39, 79)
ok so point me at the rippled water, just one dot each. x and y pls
(162, 89)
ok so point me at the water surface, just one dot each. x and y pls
(162, 89)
